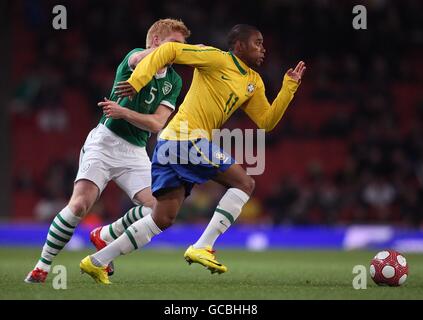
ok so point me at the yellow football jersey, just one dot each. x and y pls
(221, 84)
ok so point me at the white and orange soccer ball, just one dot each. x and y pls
(389, 267)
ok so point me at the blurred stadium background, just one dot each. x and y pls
(344, 168)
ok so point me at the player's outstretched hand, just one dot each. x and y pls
(298, 72)
(112, 109)
(125, 89)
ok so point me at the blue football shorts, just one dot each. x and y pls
(186, 163)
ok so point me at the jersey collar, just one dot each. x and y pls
(239, 64)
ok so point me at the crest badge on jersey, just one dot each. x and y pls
(167, 87)
(250, 88)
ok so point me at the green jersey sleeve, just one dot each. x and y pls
(170, 99)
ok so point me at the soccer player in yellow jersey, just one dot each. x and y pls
(184, 155)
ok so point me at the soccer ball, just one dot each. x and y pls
(389, 267)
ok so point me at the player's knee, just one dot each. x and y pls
(143, 199)
(150, 202)
(165, 221)
(248, 185)
(79, 206)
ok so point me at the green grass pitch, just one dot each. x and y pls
(163, 274)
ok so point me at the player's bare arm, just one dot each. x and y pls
(125, 89)
(150, 122)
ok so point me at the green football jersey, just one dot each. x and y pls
(162, 89)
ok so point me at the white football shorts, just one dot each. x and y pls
(105, 156)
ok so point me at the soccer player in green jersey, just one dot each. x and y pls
(115, 150)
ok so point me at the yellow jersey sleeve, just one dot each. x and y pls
(202, 58)
(267, 116)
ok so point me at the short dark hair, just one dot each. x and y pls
(239, 32)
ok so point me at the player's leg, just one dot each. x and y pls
(92, 177)
(101, 236)
(132, 173)
(137, 235)
(106, 234)
(240, 187)
(140, 232)
(61, 230)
